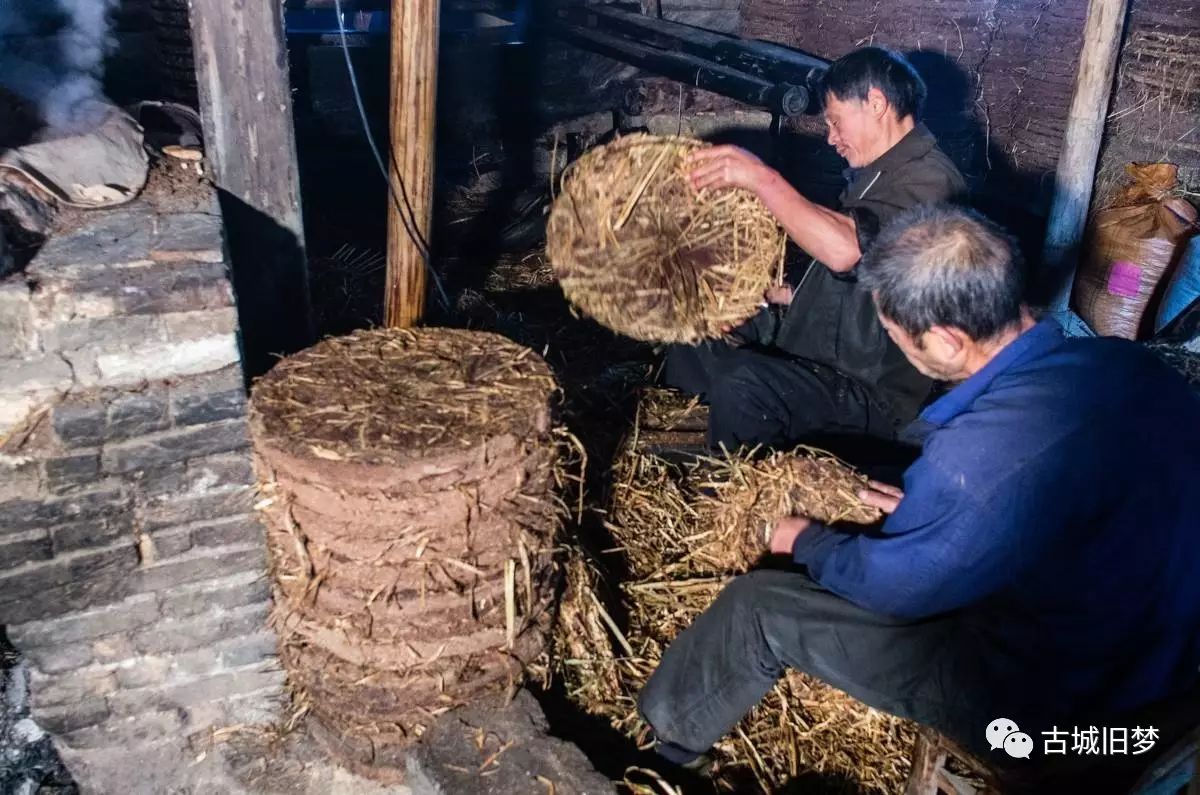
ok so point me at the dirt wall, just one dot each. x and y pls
(1000, 72)
(1155, 114)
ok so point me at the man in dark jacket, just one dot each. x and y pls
(824, 364)
(1041, 563)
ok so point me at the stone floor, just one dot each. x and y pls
(490, 748)
(493, 748)
(265, 763)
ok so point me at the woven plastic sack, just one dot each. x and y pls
(1130, 248)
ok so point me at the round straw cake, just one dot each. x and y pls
(636, 247)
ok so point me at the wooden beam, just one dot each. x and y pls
(412, 123)
(246, 108)
(1076, 174)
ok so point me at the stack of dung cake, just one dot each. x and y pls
(408, 479)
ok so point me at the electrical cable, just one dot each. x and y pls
(403, 208)
(409, 220)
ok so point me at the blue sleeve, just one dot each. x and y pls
(949, 543)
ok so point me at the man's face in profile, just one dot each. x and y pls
(858, 129)
(854, 129)
(927, 353)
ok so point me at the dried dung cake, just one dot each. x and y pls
(399, 396)
(636, 247)
(409, 479)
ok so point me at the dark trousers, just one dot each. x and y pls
(764, 621)
(762, 396)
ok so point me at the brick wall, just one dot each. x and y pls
(131, 562)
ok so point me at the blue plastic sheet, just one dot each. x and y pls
(1184, 288)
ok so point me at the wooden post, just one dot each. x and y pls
(1081, 145)
(246, 108)
(412, 122)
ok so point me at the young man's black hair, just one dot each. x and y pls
(853, 75)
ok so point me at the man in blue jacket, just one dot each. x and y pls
(1042, 562)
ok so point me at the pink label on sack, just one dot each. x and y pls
(1125, 279)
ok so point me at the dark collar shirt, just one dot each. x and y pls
(831, 319)
(1054, 513)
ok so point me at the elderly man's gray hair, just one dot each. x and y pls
(945, 266)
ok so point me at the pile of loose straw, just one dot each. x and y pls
(662, 409)
(684, 531)
(712, 516)
(638, 249)
(408, 480)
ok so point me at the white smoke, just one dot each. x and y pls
(52, 53)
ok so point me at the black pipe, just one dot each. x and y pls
(781, 80)
(779, 98)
